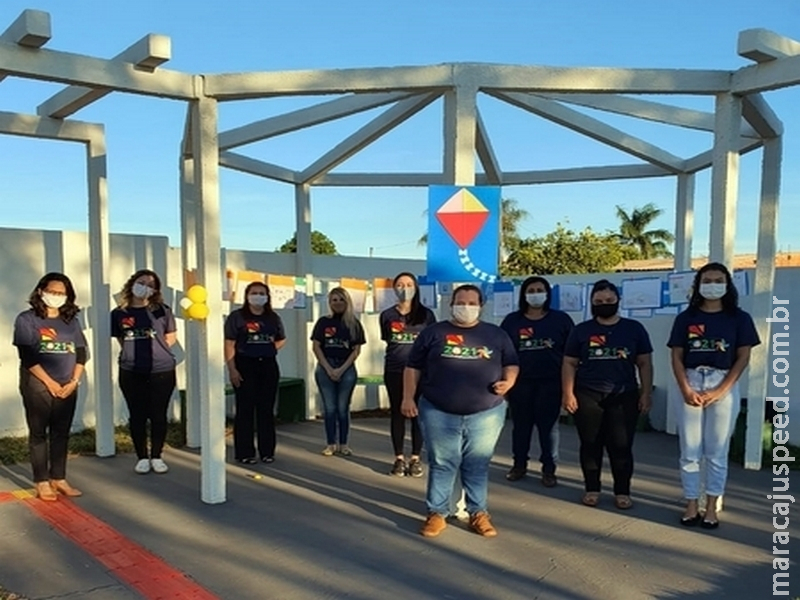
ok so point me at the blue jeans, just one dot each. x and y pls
(459, 444)
(336, 397)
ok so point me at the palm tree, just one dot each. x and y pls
(511, 215)
(633, 232)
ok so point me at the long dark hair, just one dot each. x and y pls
(523, 303)
(66, 312)
(730, 301)
(417, 314)
(153, 301)
(268, 311)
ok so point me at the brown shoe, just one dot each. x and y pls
(549, 480)
(433, 526)
(62, 487)
(45, 492)
(482, 525)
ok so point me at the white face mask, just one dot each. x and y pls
(713, 291)
(404, 294)
(53, 300)
(257, 299)
(537, 299)
(141, 291)
(465, 314)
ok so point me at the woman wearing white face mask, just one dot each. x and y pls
(253, 336)
(400, 326)
(711, 343)
(463, 367)
(52, 351)
(539, 334)
(145, 328)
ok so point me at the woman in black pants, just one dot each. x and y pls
(400, 326)
(52, 352)
(145, 328)
(601, 360)
(253, 336)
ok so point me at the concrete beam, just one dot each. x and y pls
(760, 115)
(584, 174)
(379, 180)
(764, 77)
(253, 166)
(54, 129)
(725, 179)
(460, 124)
(306, 117)
(763, 45)
(684, 229)
(483, 147)
(31, 29)
(593, 128)
(146, 54)
(705, 159)
(365, 136)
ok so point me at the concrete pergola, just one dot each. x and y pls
(741, 122)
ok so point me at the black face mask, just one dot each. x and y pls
(605, 311)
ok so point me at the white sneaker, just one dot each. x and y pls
(159, 466)
(143, 466)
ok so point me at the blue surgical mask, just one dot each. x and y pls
(404, 294)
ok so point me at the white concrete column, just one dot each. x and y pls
(763, 284)
(99, 253)
(460, 119)
(303, 268)
(725, 177)
(211, 383)
(684, 221)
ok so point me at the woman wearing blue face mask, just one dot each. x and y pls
(400, 325)
(539, 334)
(710, 343)
(253, 335)
(145, 328)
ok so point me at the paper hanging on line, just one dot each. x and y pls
(383, 293)
(281, 289)
(641, 293)
(357, 288)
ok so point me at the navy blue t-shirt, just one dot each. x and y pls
(460, 364)
(607, 354)
(335, 339)
(539, 343)
(399, 336)
(255, 335)
(53, 340)
(711, 339)
(142, 333)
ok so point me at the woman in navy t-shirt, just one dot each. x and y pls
(539, 334)
(145, 328)
(601, 360)
(253, 335)
(336, 342)
(711, 343)
(400, 325)
(52, 352)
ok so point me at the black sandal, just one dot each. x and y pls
(691, 521)
(247, 461)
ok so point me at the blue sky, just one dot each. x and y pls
(42, 183)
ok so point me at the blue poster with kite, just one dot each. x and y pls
(463, 233)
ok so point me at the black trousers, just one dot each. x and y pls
(147, 396)
(49, 421)
(393, 381)
(607, 421)
(534, 402)
(255, 405)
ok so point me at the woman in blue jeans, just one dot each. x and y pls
(336, 342)
(710, 342)
(463, 368)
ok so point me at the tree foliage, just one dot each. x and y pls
(320, 244)
(633, 232)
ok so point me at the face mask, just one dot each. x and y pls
(404, 294)
(141, 291)
(53, 300)
(257, 299)
(465, 314)
(537, 299)
(605, 311)
(713, 291)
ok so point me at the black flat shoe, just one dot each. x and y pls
(247, 461)
(691, 521)
(709, 524)
(267, 459)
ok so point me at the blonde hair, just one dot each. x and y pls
(348, 316)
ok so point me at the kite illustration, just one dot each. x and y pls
(462, 217)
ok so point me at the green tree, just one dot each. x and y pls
(511, 215)
(320, 244)
(633, 232)
(566, 251)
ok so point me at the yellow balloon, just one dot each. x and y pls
(198, 311)
(197, 293)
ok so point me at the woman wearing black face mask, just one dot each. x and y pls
(253, 336)
(600, 389)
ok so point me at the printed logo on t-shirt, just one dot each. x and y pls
(699, 343)
(599, 351)
(131, 332)
(454, 348)
(49, 344)
(399, 333)
(529, 341)
(255, 335)
(331, 341)
(330, 332)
